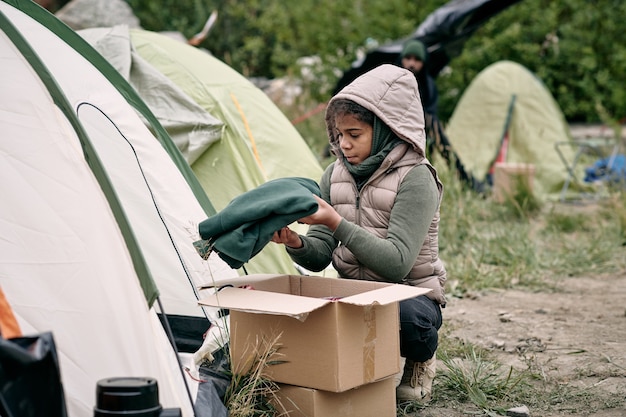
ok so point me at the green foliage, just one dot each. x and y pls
(575, 47)
(186, 16)
(266, 38)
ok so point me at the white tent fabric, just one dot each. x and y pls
(65, 265)
(155, 195)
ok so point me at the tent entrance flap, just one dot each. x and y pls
(504, 141)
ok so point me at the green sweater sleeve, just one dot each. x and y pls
(412, 213)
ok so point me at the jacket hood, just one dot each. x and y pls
(391, 93)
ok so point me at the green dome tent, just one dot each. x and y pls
(507, 104)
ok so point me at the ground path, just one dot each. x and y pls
(575, 336)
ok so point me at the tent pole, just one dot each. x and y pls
(170, 336)
(503, 137)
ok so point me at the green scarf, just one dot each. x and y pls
(383, 141)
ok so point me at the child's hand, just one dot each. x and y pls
(325, 215)
(287, 237)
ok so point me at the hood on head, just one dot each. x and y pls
(391, 93)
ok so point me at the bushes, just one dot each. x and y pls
(575, 47)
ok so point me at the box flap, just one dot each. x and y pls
(255, 301)
(385, 295)
(243, 280)
(336, 287)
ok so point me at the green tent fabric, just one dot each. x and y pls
(191, 128)
(507, 99)
(256, 142)
(261, 141)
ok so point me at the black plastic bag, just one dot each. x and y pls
(216, 378)
(30, 379)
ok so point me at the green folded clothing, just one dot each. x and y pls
(243, 228)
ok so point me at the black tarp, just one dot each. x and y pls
(30, 377)
(444, 32)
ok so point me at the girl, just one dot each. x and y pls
(378, 217)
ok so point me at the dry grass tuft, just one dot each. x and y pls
(251, 393)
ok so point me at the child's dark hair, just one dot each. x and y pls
(342, 106)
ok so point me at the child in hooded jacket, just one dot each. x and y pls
(378, 215)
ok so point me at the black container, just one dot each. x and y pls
(136, 397)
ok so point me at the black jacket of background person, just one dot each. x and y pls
(427, 88)
(428, 92)
(248, 222)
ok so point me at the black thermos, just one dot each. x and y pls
(128, 396)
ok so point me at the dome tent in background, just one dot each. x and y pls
(98, 216)
(507, 100)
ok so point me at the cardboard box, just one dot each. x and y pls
(329, 344)
(375, 399)
(507, 177)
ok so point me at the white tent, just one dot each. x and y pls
(98, 215)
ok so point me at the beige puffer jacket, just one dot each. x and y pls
(391, 93)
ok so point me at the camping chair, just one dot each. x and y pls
(608, 169)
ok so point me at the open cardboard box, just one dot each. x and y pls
(375, 399)
(332, 334)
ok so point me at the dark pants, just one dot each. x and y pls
(420, 319)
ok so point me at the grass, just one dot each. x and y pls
(472, 380)
(520, 243)
(251, 393)
(482, 382)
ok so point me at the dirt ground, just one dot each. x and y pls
(574, 338)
